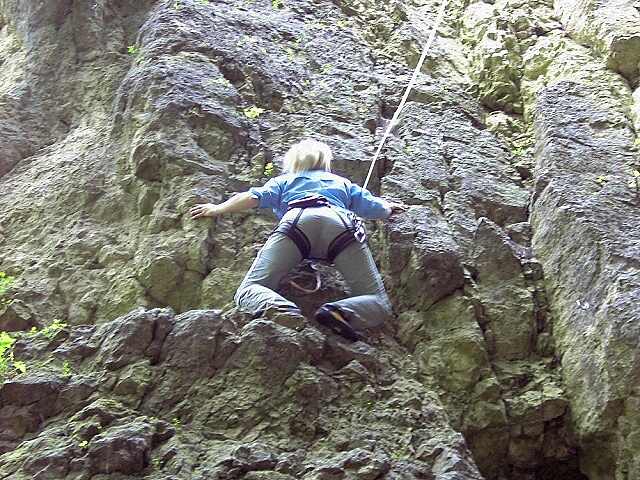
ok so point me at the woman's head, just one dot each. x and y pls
(308, 155)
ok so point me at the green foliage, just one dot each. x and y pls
(177, 4)
(133, 50)
(20, 366)
(175, 421)
(519, 151)
(6, 341)
(253, 112)
(326, 68)
(291, 54)
(5, 283)
(7, 362)
(277, 4)
(602, 179)
(84, 444)
(66, 368)
(269, 170)
(50, 331)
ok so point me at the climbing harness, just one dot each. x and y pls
(353, 229)
(412, 82)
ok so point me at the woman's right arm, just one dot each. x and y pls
(237, 203)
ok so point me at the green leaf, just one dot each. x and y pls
(6, 341)
(5, 283)
(253, 112)
(269, 170)
(50, 331)
(602, 179)
(20, 366)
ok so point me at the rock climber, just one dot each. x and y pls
(317, 211)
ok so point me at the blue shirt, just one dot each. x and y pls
(340, 192)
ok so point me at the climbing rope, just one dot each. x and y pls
(316, 273)
(432, 36)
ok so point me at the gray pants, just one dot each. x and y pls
(369, 307)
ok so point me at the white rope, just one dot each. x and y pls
(307, 291)
(432, 35)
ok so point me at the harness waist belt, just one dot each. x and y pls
(354, 232)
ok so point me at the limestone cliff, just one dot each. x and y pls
(514, 272)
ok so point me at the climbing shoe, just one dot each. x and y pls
(333, 318)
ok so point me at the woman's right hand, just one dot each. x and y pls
(204, 210)
(396, 208)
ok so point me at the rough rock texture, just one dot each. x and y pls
(611, 28)
(513, 272)
(200, 395)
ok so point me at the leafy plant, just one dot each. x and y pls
(19, 366)
(66, 368)
(290, 53)
(269, 170)
(7, 362)
(253, 112)
(175, 421)
(326, 68)
(519, 151)
(5, 283)
(277, 4)
(133, 50)
(83, 444)
(602, 179)
(177, 4)
(50, 331)
(6, 341)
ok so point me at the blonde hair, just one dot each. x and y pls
(308, 155)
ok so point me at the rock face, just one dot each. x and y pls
(199, 395)
(513, 272)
